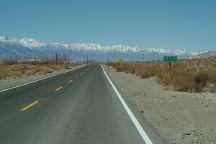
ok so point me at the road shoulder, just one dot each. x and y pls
(12, 82)
(148, 129)
(177, 117)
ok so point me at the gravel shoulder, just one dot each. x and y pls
(178, 117)
(10, 82)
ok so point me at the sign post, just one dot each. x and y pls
(170, 59)
(119, 67)
(120, 62)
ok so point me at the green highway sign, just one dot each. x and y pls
(170, 58)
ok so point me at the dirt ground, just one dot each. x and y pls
(178, 117)
(12, 79)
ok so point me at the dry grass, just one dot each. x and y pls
(195, 75)
(30, 69)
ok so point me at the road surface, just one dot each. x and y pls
(78, 107)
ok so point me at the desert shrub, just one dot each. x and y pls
(163, 77)
(183, 81)
(212, 87)
(193, 75)
(133, 70)
(200, 80)
(67, 66)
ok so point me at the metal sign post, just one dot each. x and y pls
(120, 61)
(170, 60)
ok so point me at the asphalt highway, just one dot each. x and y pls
(78, 107)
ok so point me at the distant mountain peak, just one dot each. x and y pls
(31, 43)
(8, 39)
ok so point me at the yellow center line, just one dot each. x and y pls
(61, 87)
(70, 81)
(29, 106)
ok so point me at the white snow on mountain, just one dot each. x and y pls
(8, 39)
(160, 50)
(97, 49)
(31, 43)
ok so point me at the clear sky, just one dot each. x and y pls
(171, 24)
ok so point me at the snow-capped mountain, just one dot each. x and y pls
(31, 43)
(28, 47)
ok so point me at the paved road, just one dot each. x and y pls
(78, 107)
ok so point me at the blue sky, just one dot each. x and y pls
(171, 24)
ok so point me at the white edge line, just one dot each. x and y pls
(141, 131)
(36, 81)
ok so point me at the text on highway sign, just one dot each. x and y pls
(170, 58)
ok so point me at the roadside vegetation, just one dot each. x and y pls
(18, 69)
(191, 75)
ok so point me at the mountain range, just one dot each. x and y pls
(204, 55)
(28, 47)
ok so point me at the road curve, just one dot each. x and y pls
(78, 107)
